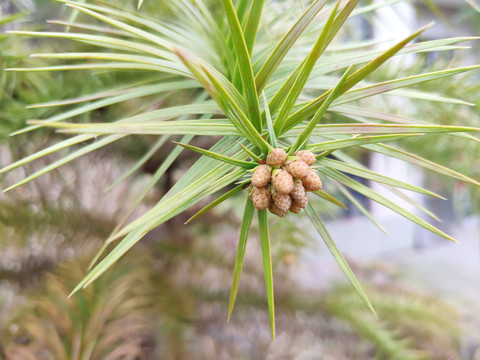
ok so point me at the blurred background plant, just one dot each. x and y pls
(168, 298)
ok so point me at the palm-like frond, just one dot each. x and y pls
(107, 321)
(234, 59)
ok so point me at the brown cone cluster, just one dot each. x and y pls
(282, 183)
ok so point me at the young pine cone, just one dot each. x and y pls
(306, 156)
(280, 204)
(301, 202)
(277, 157)
(282, 201)
(261, 176)
(298, 191)
(260, 197)
(282, 181)
(312, 182)
(297, 168)
(295, 209)
(275, 210)
(299, 195)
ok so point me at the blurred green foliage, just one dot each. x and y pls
(166, 298)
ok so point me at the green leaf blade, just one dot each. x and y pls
(251, 26)
(352, 80)
(167, 208)
(304, 72)
(355, 141)
(220, 157)
(326, 196)
(419, 161)
(74, 155)
(370, 175)
(286, 43)
(243, 56)
(267, 266)
(242, 245)
(271, 130)
(234, 112)
(216, 202)
(349, 182)
(322, 230)
(360, 207)
(138, 164)
(303, 137)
